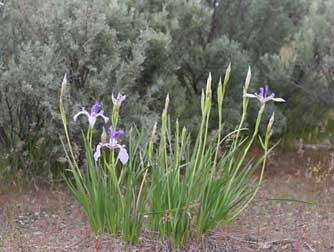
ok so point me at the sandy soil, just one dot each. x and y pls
(45, 219)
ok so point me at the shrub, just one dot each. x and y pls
(151, 48)
(89, 41)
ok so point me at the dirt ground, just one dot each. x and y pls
(49, 219)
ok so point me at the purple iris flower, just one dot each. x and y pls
(94, 113)
(113, 144)
(263, 96)
(118, 100)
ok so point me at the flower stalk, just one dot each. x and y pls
(182, 189)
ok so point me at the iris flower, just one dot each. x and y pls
(263, 96)
(123, 155)
(93, 115)
(117, 101)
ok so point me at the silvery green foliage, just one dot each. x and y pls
(187, 54)
(141, 48)
(305, 67)
(92, 41)
(315, 52)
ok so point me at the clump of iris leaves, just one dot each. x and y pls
(178, 188)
